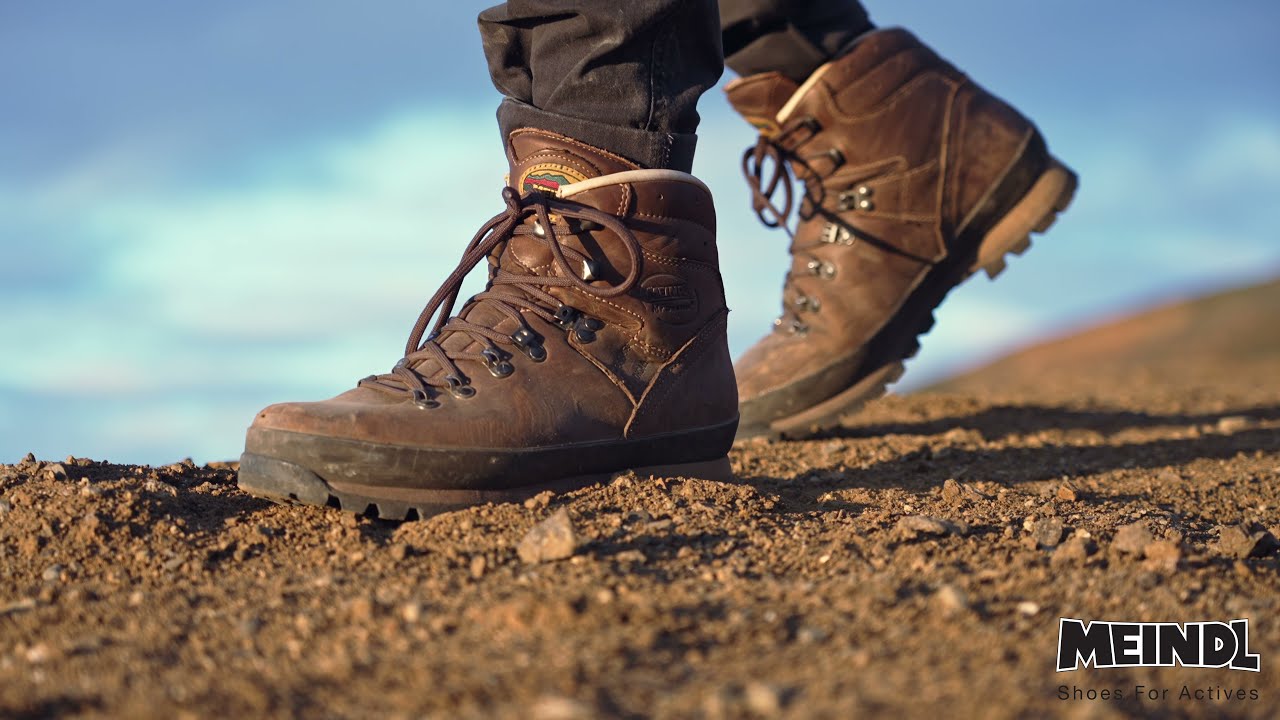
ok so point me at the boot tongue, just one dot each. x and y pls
(759, 98)
(542, 161)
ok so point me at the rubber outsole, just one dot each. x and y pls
(402, 482)
(1035, 212)
(289, 484)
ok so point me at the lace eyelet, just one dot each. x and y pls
(585, 329)
(459, 387)
(566, 316)
(530, 343)
(498, 365)
(834, 234)
(424, 402)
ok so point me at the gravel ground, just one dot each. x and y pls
(914, 564)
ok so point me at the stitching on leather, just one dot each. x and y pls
(679, 262)
(577, 144)
(580, 164)
(658, 389)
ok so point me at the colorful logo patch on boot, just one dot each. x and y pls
(768, 127)
(548, 178)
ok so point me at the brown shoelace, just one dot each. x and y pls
(771, 152)
(405, 377)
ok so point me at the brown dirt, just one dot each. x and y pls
(814, 586)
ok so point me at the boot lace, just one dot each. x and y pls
(767, 167)
(553, 218)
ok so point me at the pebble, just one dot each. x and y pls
(951, 599)
(1028, 608)
(552, 539)
(1132, 539)
(56, 471)
(5, 506)
(1231, 424)
(38, 653)
(361, 609)
(1067, 492)
(539, 501)
(1242, 541)
(957, 493)
(554, 707)
(53, 573)
(763, 699)
(1075, 551)
(1163, 555)
(914, 526)
(477, 566)
(411, 612)
(631, 556)
(1048, 532)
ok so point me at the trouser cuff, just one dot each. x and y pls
(654, 150)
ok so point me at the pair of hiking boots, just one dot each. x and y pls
(599, 345)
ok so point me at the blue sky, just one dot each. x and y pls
(205, 208)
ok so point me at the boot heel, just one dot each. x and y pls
(1035, 212)
(718, 470)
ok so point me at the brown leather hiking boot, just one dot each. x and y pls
(598, 346)
(914, 178)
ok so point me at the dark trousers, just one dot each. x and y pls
(626, 75)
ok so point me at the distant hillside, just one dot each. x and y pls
(1230, 338)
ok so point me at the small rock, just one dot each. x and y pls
(914, 526)
(551, 539)
(762, 699)
(957, 493)
(1075, 551)
(56, 471)
(631, 556)
(38, 653)
(1048, 532)
(539, 501)
(1242, 541)
(1067, 492)
(5, 506)
(1132, 539)
(951, 599)
(411, 612)
(1231, 424)
(1163, 555)
(53, 573)
(399, 551)
(1028, 608)
(810, 634)
(361, 609)
(477, 567)
(551, 707)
